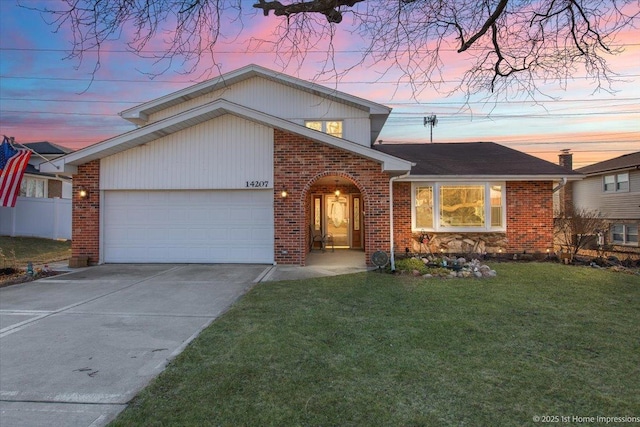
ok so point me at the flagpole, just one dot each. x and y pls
(13, 142)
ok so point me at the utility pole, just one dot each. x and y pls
(432, 120)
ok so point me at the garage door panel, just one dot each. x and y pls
(188, 226)
(240, 215)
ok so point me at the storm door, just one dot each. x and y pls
(338, 219)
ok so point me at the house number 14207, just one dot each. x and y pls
(257, 184)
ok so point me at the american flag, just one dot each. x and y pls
(12, 166)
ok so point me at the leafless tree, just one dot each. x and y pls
(576, 228)
(509, 47)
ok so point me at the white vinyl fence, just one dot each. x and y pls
(37, 217)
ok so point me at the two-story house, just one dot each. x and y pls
(252, 166)
(612, 187)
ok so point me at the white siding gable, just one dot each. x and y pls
(222, 153)
(285, 102)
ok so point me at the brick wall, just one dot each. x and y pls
(402, 236)
(85, 215)
(529, 216)
(54, 188)
(529, 223)
(298, 163)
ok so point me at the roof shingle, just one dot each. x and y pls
(472, 158)
(626, 161)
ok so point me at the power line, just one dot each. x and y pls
(391, 121)
(342, 81)
(89, 101)
(246, 51)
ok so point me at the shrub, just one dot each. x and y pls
(410, 264)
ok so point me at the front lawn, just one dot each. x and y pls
(16, 252)
(373, 349)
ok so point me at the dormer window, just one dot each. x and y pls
(331, 127)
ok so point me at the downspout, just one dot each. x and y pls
(391, 181)
(563, 182)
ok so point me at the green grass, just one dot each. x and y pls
(17, 251)
(378, 350)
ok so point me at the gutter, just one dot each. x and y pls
(391, 242)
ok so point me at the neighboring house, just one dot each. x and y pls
(252, 166)
(43, 208)
(612, 187)
(44, 185)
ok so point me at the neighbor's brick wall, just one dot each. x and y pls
(298, 163)
(529, 216)
(85, 216)
(529, 221)
(54, 188)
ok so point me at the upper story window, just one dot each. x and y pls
(624, 234)
(332, 127)
(458, 207)
(617, 182)
(33, 187)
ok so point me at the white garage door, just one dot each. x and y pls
(220, 226)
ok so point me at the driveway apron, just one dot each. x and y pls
(76, 348)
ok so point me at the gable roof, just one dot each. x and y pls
(139, 114)
(627, 161)
(473, 160)
(197, 115)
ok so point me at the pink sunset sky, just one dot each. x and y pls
(45, 97)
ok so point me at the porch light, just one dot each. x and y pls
(82, 192)
(284, 193)
(337, 192)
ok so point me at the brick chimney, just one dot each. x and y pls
(565, 159)
(565, 194)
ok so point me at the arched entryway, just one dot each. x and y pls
(335, 214)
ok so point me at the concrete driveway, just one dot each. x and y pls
(76, 348)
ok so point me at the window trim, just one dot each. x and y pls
(436, 185)
(616, 183)
(625, 234)
(324, 126)
(45, 186)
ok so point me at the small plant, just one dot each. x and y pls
(8, 261)
(411, 264)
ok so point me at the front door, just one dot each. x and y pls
(340, 217)
(337, 220)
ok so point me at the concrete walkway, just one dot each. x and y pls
(320, 264)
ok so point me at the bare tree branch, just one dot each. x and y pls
(491, 21)
(511, 47)
(329, 8)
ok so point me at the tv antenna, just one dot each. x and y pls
(432, 120)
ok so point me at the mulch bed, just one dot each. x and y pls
(12, 276)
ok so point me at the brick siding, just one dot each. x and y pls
(529, 224)
(85, 214)
(529, 216)
(298, 163)
(54, 188)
